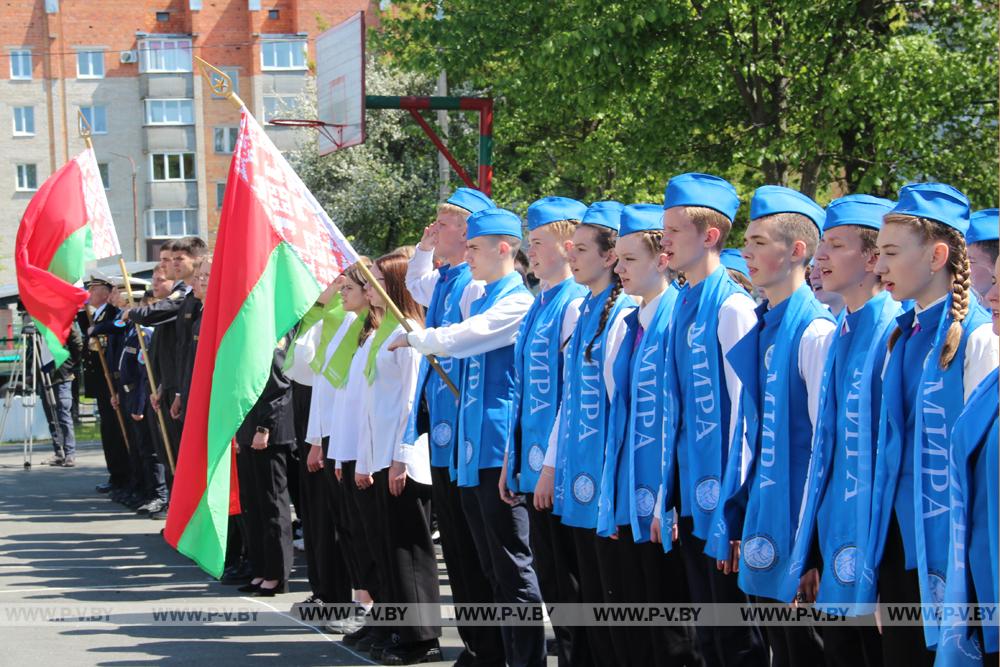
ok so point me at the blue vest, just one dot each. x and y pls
(698, 410)
(838, 488)
(538, 369)
(442, 405)
(920, 403)
(583, 424)
(487, 395)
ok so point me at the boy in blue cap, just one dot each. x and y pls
(981, 239)
(835, 518)
(447, 292)
(702, 392)
(780, 363)
(485, 340)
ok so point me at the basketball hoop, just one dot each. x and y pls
(334, 132)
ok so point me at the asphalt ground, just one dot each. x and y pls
(68, 548)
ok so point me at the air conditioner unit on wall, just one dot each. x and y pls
(128, 56)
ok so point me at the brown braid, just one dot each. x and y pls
(961, 284)
(608, 305)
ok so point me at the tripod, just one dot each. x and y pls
(25, 381)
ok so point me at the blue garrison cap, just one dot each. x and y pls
(493, 221)
(860, 210)
(732, 258)
(772, 199)
(935, 201)
(641, 218)
(471, 200)
(553, 209)
(604, 214)
(702, 190)
(984, 225)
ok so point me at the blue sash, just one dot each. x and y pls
(703, 452)
(538, 368)
(837, 494)
(470, 423)
(442, 406)
(972, 559)
(940, 400)
(768, 529)
(583, 424)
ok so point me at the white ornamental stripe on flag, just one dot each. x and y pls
(103, 236)
(296, 216)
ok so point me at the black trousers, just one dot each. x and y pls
(594, 590)
(901, 645)
(852, 646)
(266, 509)
(116, 455)
(500, 533)
(739, 646)
(409, 560)
(792, 645)
(325, 567)
(360, 505)
(340, 506)
(468, 581)
(559, 579)
(152, 469)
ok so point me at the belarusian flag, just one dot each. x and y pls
(67, 224)
(275, 252)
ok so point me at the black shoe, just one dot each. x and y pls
(311, 601)
(412, 654)
(354, 638)
(133, 501)
(236, 574)
(465, 659)
(249, 588)
(379, 647)
(104, 487)
(262, 592)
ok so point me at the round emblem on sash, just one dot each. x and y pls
(767, 357)
(843, 564)
(645, 500)
(536, 457)
(759, 552)
(469, 451)
(706, 493)
(937, 587)
(441, 434)
(583, 488)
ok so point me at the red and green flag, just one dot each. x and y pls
(66, 225)
(276, 250)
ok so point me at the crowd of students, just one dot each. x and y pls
(664, 421)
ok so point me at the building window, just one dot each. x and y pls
(97, 117)
(162, 17)
(172, 166)
(165, 55)
(24, 121)
(169, 112)
(225, 139)
(105, 175)
(276, 106)
(168, 222)
(20, 64)
(27, 177)
(234, 76)
(253, 5)
(283, 55)
(220, 195)
(273, 14)
(90, 64)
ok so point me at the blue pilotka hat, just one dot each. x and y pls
(934, 201)
(604, 214)
(552, 209)
(984, 225)
(702, 190)
(858, 210)
(732, 258)
(773, 199)
(641, 218)
(493, 221)
(471, 200)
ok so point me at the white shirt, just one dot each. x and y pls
(303, 352)
(321, 402)
(737, 316)
(421, 277)
(813, 348)
(390, 400)
(349, 421)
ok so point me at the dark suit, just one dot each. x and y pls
(112, 440)
(263, 474)
(150, 482)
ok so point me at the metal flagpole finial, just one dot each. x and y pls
(85, 129)
(220, 82)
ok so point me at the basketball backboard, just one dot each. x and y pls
(340, 84)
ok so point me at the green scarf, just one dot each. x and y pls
(333, 316)
(388, 325)
(311, 317)
(337, 370)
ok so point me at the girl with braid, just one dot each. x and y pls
(575, 454)
(940, 350)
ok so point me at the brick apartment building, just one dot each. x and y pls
(127, 66)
